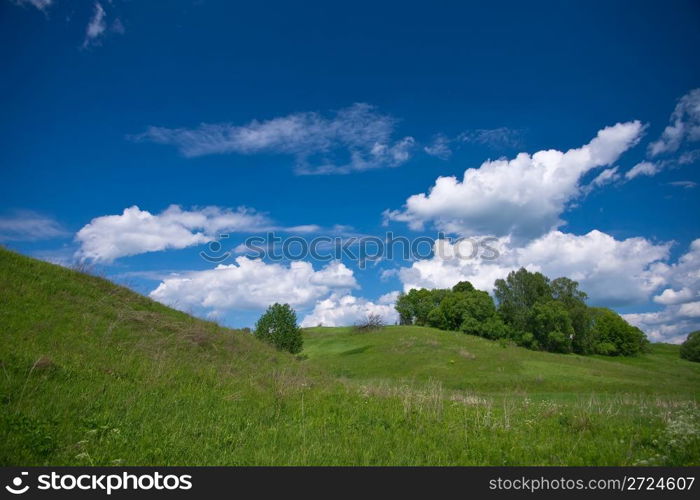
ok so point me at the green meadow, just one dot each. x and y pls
(92, 373)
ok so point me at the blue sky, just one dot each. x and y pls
(341, 119)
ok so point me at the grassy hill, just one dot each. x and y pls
(473, 364)
(94, 374)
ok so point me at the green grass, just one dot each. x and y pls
(94, 374)
(473, 364)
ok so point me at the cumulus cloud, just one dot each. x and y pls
(681, 300)
(352, 139)
(671, 297)
(664, 326)
(523, 197)
(684, 125)
(25, 225)
(613, 272)
(137, 231)
(253, 284)
(345, 310)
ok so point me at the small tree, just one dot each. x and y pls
(690, 349)
(278, 326)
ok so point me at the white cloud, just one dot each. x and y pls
(25, 225)
(389, 298)
(96, 27)
(353, 139)
(612, 272)
(253, 284)
(681, 314)
(345, 310)
(690, 310)
(523, 197)
(671, 297)
(664, 326)
(643, 168)
(137, 231)
(684, 125)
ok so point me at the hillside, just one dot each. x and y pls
(94, 374)
(469, 363)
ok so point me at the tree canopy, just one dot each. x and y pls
(530, 309)
(278, 326)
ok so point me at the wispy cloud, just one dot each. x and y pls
(42, 5)
(684, 125)
(684, 184)
(440, 147)
(667, 151)
(96, 27)
(25, 225)
(497, 139)
(352, 139)
(643, 168)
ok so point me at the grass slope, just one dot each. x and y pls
(473, 364)
(92, 373)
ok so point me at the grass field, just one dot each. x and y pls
(94, 374)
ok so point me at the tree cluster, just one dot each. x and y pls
(531, 310)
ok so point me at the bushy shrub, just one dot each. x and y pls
(493, 328)
(613, 336)
(690, 349)
(278, 326)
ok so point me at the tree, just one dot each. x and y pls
(463, 286)
(613, 336)
(278, 326)
(566, 291)
(690, 349)
(518, 293)
(462, 303)
(415, 306)
(551, 325)
(404, 306)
